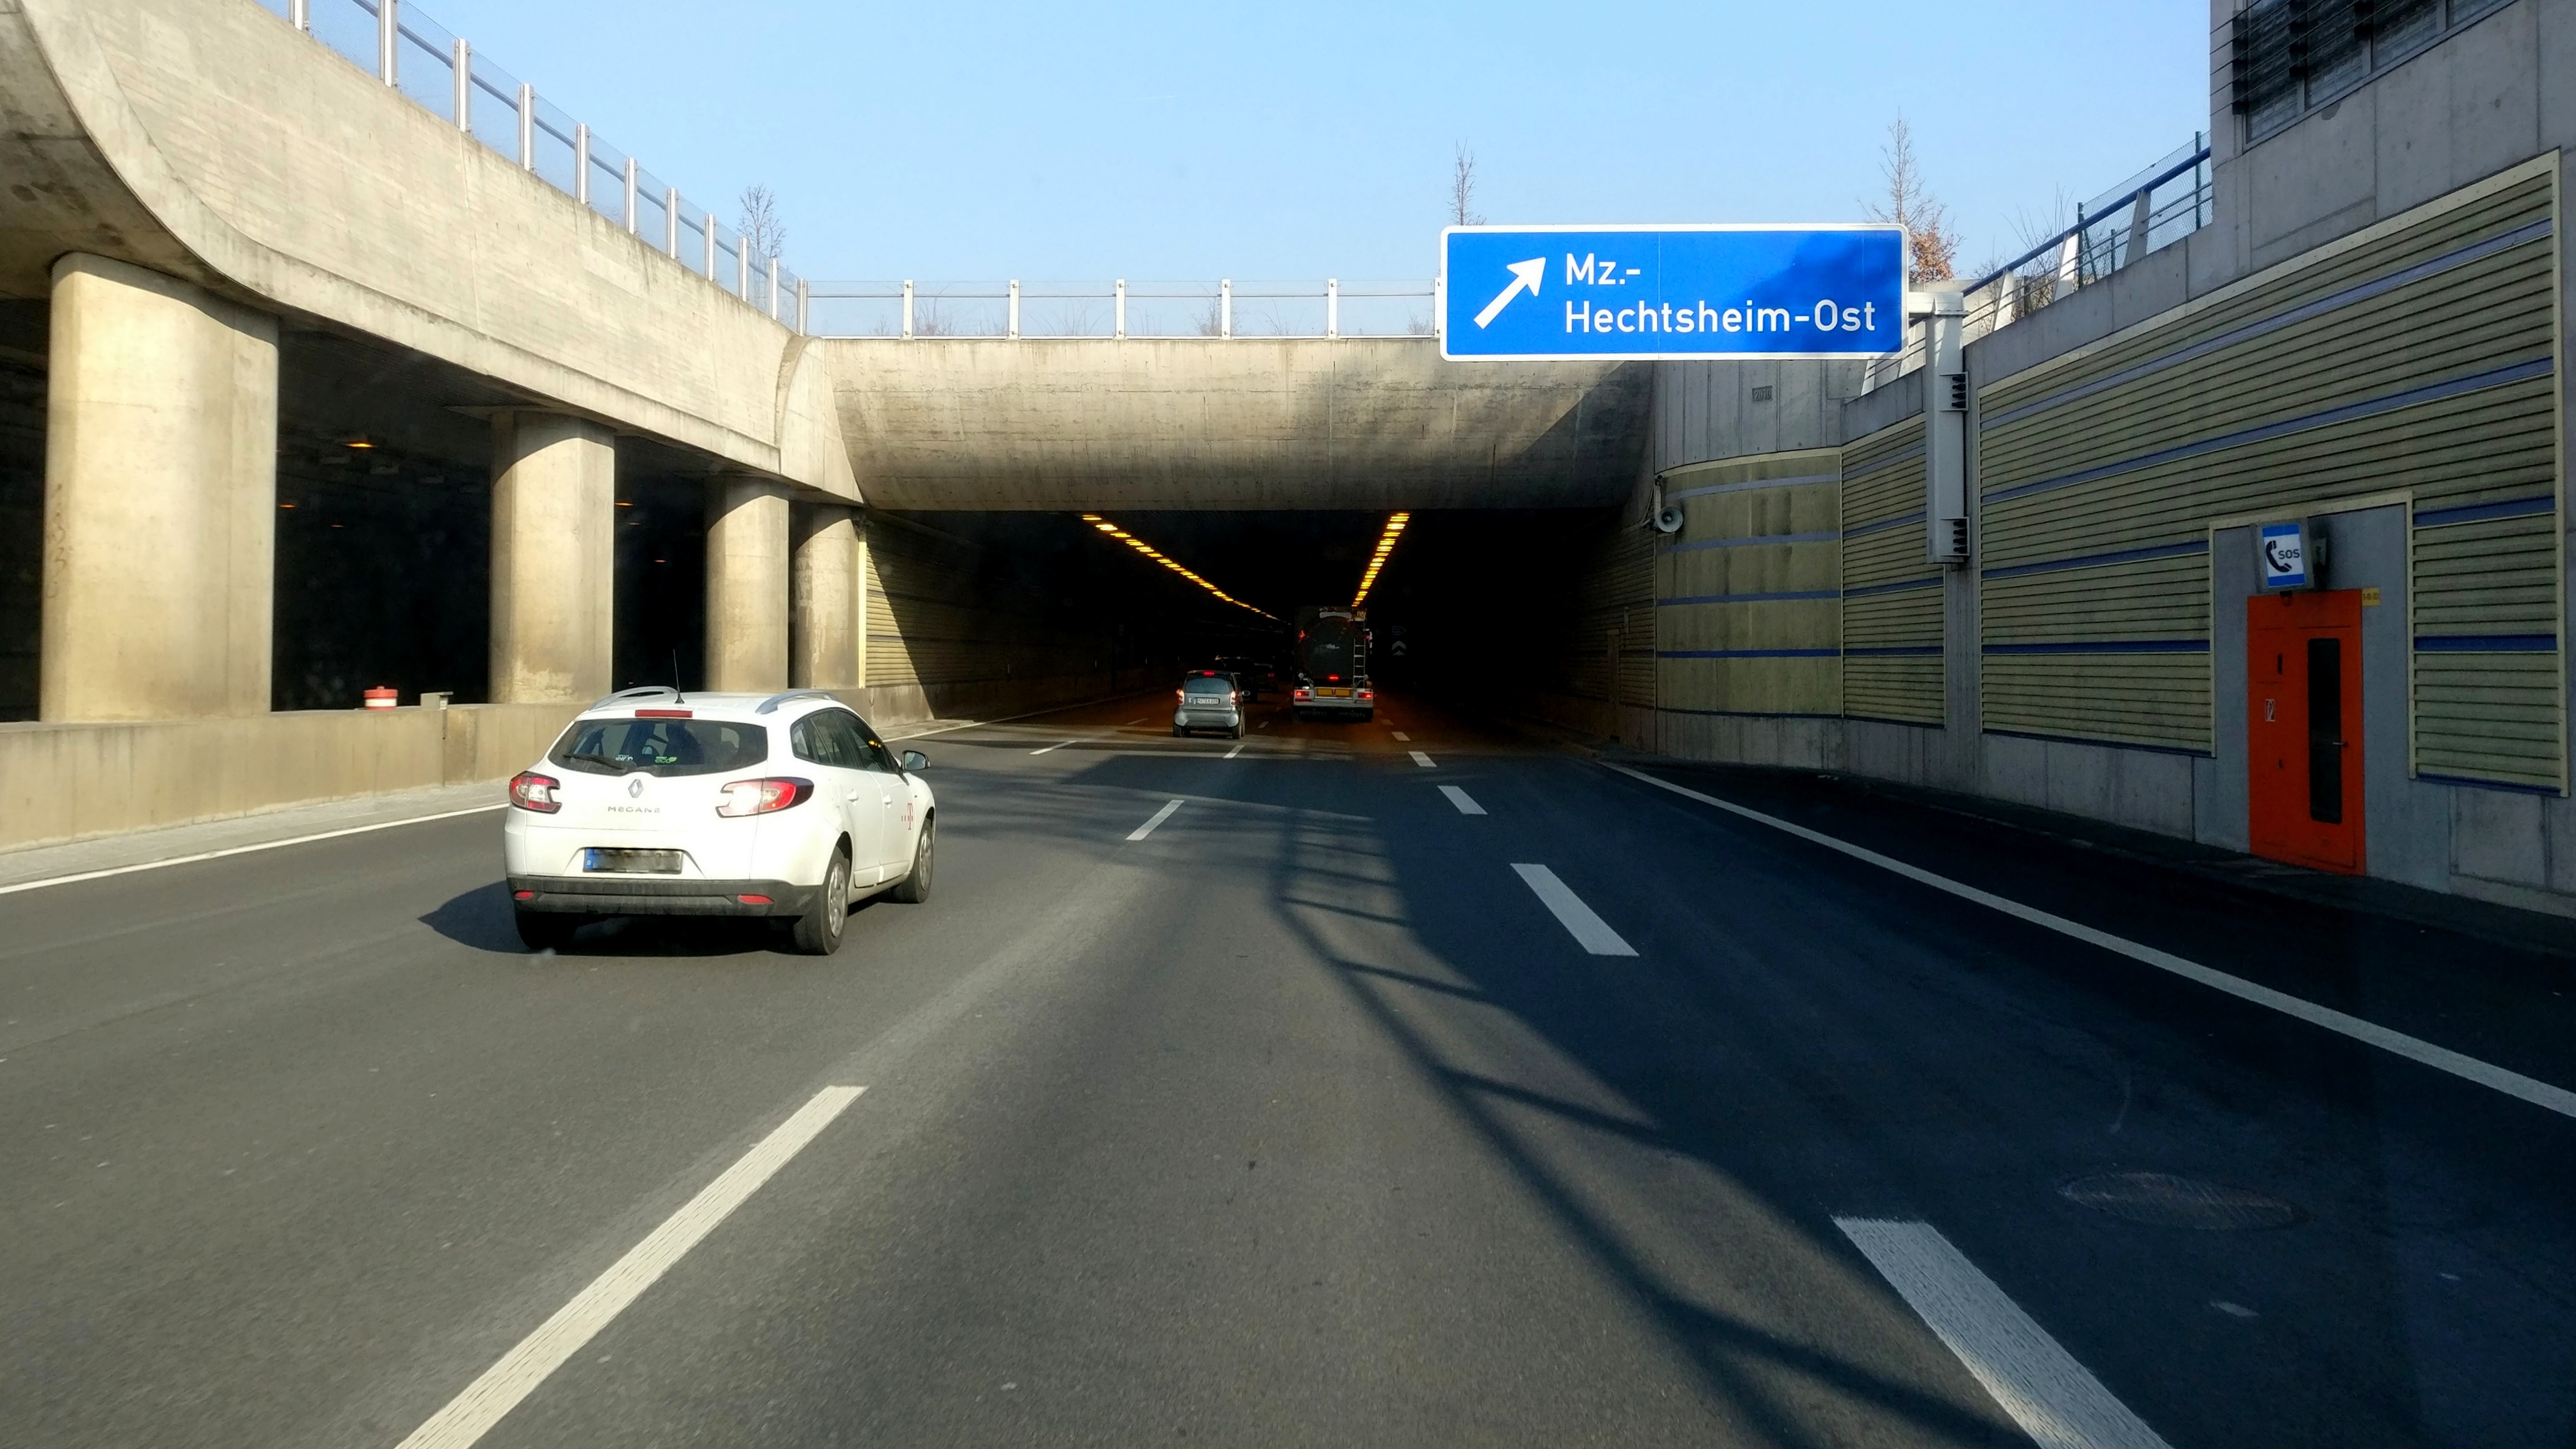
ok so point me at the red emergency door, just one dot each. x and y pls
(2303, 727)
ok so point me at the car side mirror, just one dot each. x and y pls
(915, 761)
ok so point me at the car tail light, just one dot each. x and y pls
(523, 895)
(756, 900)
(760, 797)
(1180, 694)
(532, 791)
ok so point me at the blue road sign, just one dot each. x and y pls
(1550, 292)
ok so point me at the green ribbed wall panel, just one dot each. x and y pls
(2480, 300)
(1883, 480)
(1753, 501)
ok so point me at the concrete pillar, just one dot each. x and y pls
(554, 525)
(747, 585)
(823, 614)
(160, 499)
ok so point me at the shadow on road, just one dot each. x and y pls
(480, 918)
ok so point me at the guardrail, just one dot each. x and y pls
(441, 72)
(2146, 213)
(1119, 309)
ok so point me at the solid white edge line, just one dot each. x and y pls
(1051, 749)
(1581, 922)
(1238, 749)
(2415, 1049)
(1422, 759)
(2054, 1399)
(29, 885)
(1465, 802)
(1141, 831)
(471, 1414)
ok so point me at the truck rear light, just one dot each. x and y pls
(761, 797)
(532, 791)
(1303, 693)
(1368, 694)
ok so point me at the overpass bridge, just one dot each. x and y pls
(333, 355)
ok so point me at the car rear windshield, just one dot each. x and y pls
(1208, 686)
(660, 746)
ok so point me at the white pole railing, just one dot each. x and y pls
(1015, 309)
(907, 309)
(390, 35)
(1332, 307)
(1225, 308)
(1121, 308)
(464, 62)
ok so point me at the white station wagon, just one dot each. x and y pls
(658, 804)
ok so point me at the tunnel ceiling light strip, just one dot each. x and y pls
(1167, 561)
(1385, 545)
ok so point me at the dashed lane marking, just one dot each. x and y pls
(1051, 749)
(2415, 1049)
(2056, 1400)
(1466, 804)
(471, 1414)
(1401, 735)
(1141, 831)
(1590, 932)
(1422, 759)
(1238, 749)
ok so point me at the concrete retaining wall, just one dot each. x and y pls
(71, 781)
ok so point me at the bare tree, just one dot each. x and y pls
(763, 231)
(1932, 246)
(1462, 189)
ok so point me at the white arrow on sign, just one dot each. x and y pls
(1525, 277)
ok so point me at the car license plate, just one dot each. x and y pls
(632, 862)
(1335, 693)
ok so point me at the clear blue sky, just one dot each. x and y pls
(1158, 140)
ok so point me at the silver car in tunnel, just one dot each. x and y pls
(1210, 699)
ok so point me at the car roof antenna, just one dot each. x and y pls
(675, 678)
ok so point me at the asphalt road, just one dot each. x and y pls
(1303, 1119)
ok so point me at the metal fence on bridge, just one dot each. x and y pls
(440, 71)
(1121, 309)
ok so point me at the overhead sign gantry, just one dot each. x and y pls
(1555, 293)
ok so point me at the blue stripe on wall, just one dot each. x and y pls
(1751, 598)
(1885, 523)
(1746, 653)
(2107, 646)
(2361, 292)
(2349, 412)
(1902, 455)
(1753, 542)
(2485, 643)
(1865, 590)
(1750, 483)
(1890, 651)
(2481, 512)
(2093, 560)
